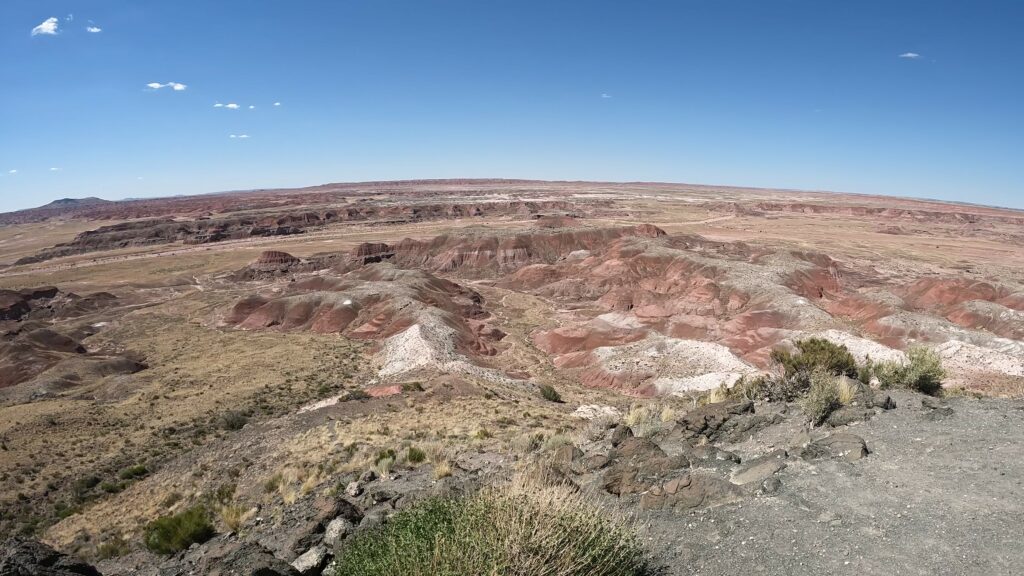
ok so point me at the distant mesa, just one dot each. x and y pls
(274, 259)
(72, 202)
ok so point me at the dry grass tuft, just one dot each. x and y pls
(523, 528)
(234, 516)
(847, 391)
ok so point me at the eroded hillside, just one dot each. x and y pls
(304, 364)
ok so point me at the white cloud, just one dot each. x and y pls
(12, 171)
(910, 55)
(69, 18)
(277, 103)
(243, 136)
(48, 27)
(251, 107)
(218, 105)
(93, 29)
(54, 169)
(606, 96)
(231, 106)
(176, 86)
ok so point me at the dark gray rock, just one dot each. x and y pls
(848, 415)
(759, 469)
(25, 557)
(713, 420)
(839, 445)
(620, 434)
(689, 491)
(243, 559)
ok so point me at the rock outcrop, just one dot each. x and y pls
(25, 557)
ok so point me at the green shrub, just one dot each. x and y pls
(111, 487)
(172, 534)
(513, 531)
(922, 372)
(82, 486)
(416, 456)
(549, 393)
(822, 396)
(133, 472)
(867, 371)
(816, 354)
(388, 454)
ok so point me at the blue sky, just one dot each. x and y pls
(809, 94)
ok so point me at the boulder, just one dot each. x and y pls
(307, 529)
(249, 559)
(760, 469)
(848, 415)
(689, 491)
(336, 530)
(620, 434)
(25, 557)
(312, 561)
(840, 445)
(710, 421)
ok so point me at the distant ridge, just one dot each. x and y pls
(72, 202)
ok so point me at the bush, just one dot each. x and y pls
(232, 420)
(133, 472)
(764, 387)
(518, 530)
(549, 393)
(822, 397)
(416, 456)
(816, 354)
(172, 534)
(111, 487)
(922, 372)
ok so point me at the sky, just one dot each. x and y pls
(139, 98)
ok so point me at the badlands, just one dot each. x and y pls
(289, 373)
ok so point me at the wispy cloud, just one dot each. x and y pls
(277, 103)
(242, 136)
(176, 86)
(69, 18)
(12, 171)
(251, 107)
(910, 55)
(231, 106)
(48, 27)
(606, 96)
(93, 29)
(54, 169)
(218, 105)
